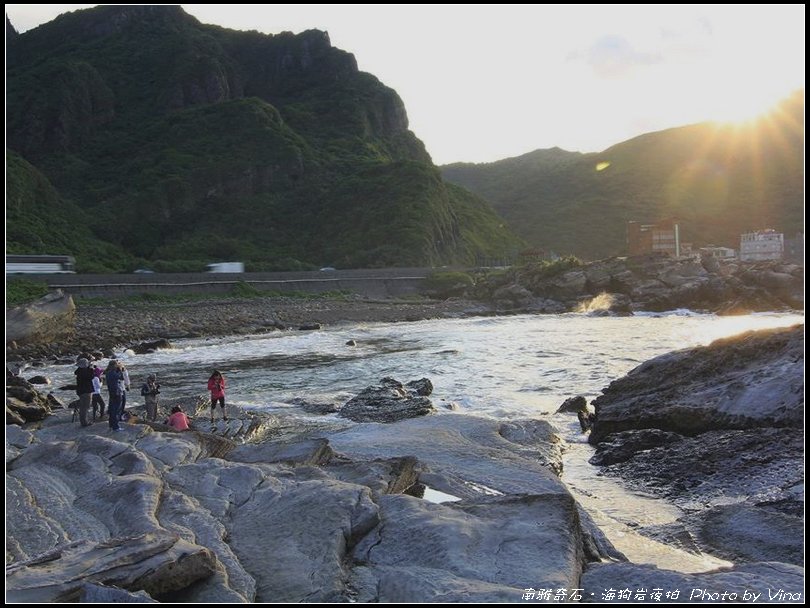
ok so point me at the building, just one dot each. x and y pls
(663, 237)
(762, 245)
(721, 253)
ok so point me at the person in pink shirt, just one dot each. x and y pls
(178, 420)
(216, 384)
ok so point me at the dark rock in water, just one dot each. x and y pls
(67, 387)
(572, 405)
(109, 354)
(752, 380)
(39, 380)
(149, 347)
(586, 420)
(620, 447)
(351, 343)
(317, 407)
(423, 387)
(309, 327)
(389, 401)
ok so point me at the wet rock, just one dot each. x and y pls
(751, 380)
(317, 407)
(150, 347)
(422, 387)
(748, 533)
(351, 343)
(572, 405)
(620, 447)
(389, 401)
(309, 327)
(39, 380)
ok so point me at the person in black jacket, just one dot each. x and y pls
(84, 388)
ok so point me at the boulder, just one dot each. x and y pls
(49, 319)
(752, 380)
(39, 380)
(572, 405)
(389, 401)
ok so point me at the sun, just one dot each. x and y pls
(747, 106)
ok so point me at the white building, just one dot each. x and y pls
(721, 253)
(762, 245)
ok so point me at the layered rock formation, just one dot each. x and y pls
(336, 518)
(719, 431)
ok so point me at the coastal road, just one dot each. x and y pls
(375, 282)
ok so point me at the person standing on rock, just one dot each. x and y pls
(125, 387)
(150, 391)
(216, 384)
(115, 386)
(84, 388)
(98, 400)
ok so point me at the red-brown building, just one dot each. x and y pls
(663, 237)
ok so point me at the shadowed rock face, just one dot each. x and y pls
(717, 430)
(751, 380)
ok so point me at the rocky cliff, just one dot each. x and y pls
(201, 143)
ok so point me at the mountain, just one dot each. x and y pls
(719, 180)
(188, 143)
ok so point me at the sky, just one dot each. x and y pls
(483, 82)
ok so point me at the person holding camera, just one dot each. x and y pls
(150, 390)
(216, 384)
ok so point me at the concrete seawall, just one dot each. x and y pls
(372, 283)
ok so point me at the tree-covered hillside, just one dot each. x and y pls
(184, 143)
(719, 179)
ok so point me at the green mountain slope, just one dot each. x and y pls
(38, 221)
(720, 180)
(192, 143)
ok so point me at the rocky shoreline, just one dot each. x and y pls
(262, 508)
(115, 326)
(717, 430)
